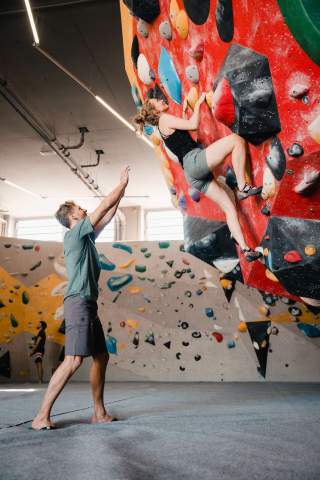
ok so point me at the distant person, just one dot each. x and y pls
(199, 163)
(84, 335)
(39, 349)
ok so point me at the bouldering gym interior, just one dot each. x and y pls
(180, 142)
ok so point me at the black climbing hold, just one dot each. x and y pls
(196, 334)
(148, 10)
(62, 328)
(295, 150)
(182, 368)
(197, 10)
(224, 20)
(259, 335)
(188, 293)
(295, 311)
(276, 160)
(266, 210)
(5, 365)
(150, 339)
(170, 263)
(135, 51)
(197, 357)
(178, 274)
(184, 325)
(167, 345)
(231, 179)
(178, 355)
(185, 344)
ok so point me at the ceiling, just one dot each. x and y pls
(84, 36)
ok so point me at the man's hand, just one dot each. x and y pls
(201, 99)
(124, 176)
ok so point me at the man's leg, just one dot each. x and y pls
(97, 379)
(58, 380)
(39, 370)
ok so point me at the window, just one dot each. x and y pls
(164, 225)
(40, 229)
(49, 229)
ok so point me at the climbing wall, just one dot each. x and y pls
(258, 61)
(164, 314)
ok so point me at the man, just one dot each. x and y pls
(84, 333)
(38, 349)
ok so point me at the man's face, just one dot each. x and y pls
(78, 213)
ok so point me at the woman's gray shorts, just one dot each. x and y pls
(196, 169)
(84, 332)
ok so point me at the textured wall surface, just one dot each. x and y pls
(259, 62)
(164, 314)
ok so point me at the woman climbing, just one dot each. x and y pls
(198, 163)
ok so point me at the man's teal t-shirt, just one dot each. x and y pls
(82, 261)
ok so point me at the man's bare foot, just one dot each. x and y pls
(40, 423)
(101, 418)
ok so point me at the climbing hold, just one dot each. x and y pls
(188, 293)
(292, 256)
(173, 11)
(265, 252)
(182, 202)
(269, 184)
(143, 249)
(28, 246)
(123, 246)
(298, 90)
(314, 129)
(182, 24)
(265, 210)
(295, 311)
(198, 11)
(135, 51)
(7, 245)
(13, 320)
(182, 368)
(226, 283)
(122, 324)
(197, 51)
(223, 104)
(169, 77)
(196, 334)
(218, 336)
(25, 298)
(165, 30)
(37, 248)
(274, 330)
(150, 338)
(140, 268)
(143, 28)
(192, 73)
(209, 312)
(134, 290)
(127, 264)
(197, 357)
(148, 10)
(231, 344)
(242, 327)
(308, 183)
(167, 345)
(310, 250)
(276, 159)
(295, 150)
(224, 20)
(194, 195)
(264, 310)
(105, 264)
(170, 262)
(164, 245)
(111, 344)
(192, 97)
(178, 355)
(312, 331)
(135, 340)
(133, 323)
(271, 275)
(117, 282)
(144, 70)
(148, 130)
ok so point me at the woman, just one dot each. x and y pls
(198, 163)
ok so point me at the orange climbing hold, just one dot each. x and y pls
(310, 250)
(242, 327)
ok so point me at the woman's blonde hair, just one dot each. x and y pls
(147, 114)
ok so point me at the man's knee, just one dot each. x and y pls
(74, 361)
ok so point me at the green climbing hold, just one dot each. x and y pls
(28, 246)
(123, 246)
(115, 283)
(231, 344)
(140, 268)
(14, 321)
(143, 249)
(164, 244)
(142, 278)
(25, 298)
(105, 264)
(147, 254)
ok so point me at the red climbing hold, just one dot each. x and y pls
(217, 336)
(223, 105)
(196, 52)
(292, 257)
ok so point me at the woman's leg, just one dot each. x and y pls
(219, 150)
(220, 197)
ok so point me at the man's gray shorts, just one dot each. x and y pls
(84, 332)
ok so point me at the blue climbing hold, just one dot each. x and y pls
(111, 344)
(148, 130)
(123, 246)
(309, 330)
(136, 96)
(194, 194)
(182, 202)
(169, 77)
(117, 282)
(209, 312)
(231, 344)
(105, 264)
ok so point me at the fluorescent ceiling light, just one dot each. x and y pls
(32, 22)
(14, 185)
(14, 390)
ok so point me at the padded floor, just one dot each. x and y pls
(166, 432)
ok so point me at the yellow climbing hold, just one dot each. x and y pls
(225, 283)
(264, 310)
(127, 264)
(192, 97)
(310, 250)
(174, 10)
(134, 290)
(271, 276)
(155, 139)
(209, 99)
(132, 323)
(265, 252)
(182, 24)
(142, 309)
(242, 327)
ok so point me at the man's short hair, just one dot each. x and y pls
(62, 214)
(43, 324)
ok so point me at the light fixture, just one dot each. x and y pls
(32, 22)
(14, 185)
(15, 390)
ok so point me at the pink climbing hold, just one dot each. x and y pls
(292, 257)
(217, 336)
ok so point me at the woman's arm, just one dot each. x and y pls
(170, 122)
